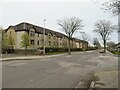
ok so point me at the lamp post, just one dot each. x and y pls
(44, 38)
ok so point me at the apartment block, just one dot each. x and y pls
(53, 39)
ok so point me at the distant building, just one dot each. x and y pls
(53, 39)
(117, 46)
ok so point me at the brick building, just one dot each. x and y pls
(53, 39)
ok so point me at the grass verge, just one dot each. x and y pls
(116, 52)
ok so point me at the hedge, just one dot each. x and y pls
(47, 50)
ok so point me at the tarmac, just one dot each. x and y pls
(106, 72)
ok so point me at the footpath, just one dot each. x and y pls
(10, 57)
(106, 73)
(29, 57)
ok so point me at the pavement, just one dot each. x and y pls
(28, 57)
(10, 57)
(77, 70)
(107, 72)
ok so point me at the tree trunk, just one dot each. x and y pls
(69, 46)
(104, 46)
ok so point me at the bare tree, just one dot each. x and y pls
(104, 29)
(96, 43)
(69, 26)
(110, 45)
(112, 6)
(85, 36)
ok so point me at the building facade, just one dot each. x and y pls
(117, 46)
(53, 39)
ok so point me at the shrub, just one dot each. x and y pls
(47, 50)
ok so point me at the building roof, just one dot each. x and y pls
(118, 44)
(27, 26)
(77, 40)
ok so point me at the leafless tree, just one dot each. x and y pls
(104, 29)
(96, 43)
(112, 6)
(110, 45)
(69, 26)
(85, 36)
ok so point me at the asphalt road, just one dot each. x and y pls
(66, 71)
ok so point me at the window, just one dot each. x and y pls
(60, 38)
(42, 42)
(54, 43)
(32, 33)
(38, 42)
(49, 36)
(10, 32)
(38, 34)
(49, 43)
(54, 37)
(32, 42)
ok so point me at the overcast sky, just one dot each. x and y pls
(35, 12)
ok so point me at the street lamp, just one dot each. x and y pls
(44, 38)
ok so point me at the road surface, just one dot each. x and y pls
(67, 71)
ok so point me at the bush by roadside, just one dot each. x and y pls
(116, 52)
(48, 51)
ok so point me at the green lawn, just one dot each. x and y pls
(116, 52)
